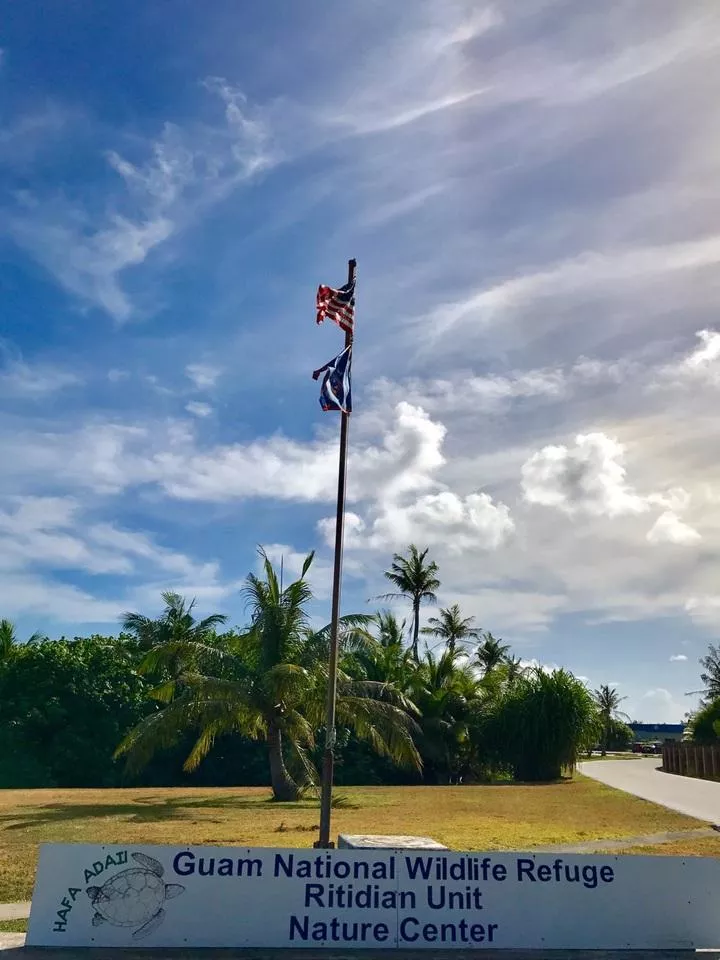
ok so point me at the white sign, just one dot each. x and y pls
(119, 896)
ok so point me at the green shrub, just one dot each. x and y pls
(540, 725)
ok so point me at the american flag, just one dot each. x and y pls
(338, 305)
(335, 392)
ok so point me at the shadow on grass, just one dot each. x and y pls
(145, 810)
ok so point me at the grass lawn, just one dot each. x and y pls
(13, 926)
(692, 847)
(503, 817)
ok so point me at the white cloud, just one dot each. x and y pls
(669, 528)
(586, 478)
(203, 375)
(704, 609)
(707, 354)
(319, 576)
(534, 664)
(50, 533)
(88, 261)
(678, 658)
(198, 409)
(390, 476)
(455, 522)
(33, 382)
(700, 366)
(660, 706)
(38, 597)
(87, 248)
(583, 273)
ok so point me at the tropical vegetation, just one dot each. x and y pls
(607, 701)
(176, 699)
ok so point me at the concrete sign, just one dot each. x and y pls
(119, 896)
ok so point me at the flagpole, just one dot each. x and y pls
(329, 754)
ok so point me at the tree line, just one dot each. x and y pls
(704, 724)
(177, 700)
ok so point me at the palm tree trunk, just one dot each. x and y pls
(283, 786)
(416, 631)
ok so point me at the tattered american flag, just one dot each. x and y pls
(337, 305)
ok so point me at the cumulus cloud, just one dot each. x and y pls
(589, 477)
(699, 367)
(660, 706)
(707, 354)
(393, 478)
(678, 658)
(704, 609)
(669, 528)
(441, 519)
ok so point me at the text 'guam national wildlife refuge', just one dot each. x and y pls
(88, 895)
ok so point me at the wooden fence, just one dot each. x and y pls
(692, 760)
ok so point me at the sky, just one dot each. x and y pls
(530, 190)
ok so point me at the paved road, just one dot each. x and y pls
(696, 798)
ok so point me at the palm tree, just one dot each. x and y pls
(451, 627)
(417, 579)
(386, 659)
(711, 673)
(270, 683)
(514, 669)
(607, 700)
(491, 653)
(176, 625)
(444, 690)
(390, 631)
(9, 642)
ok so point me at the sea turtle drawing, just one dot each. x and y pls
(134, 897)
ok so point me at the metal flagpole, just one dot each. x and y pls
(329, 755)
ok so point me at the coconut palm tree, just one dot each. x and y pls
(444, 688)
(711, 673)
(386, 659)
(415, 577)
(514, 669)
(390, 631)
(9, 643)
(607, 700)
(451, 627)
(491, 653)
(269, 682)
(175, 625)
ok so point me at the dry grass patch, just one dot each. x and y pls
(698, 847)
(507, 817)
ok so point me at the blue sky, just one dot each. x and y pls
(530, 191)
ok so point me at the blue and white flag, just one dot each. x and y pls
(335, 392)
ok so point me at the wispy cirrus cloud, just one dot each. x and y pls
(87, 244)
(35, 381)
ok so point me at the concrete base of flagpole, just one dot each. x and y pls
(374, 841)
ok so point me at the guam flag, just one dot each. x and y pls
(335, 392)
